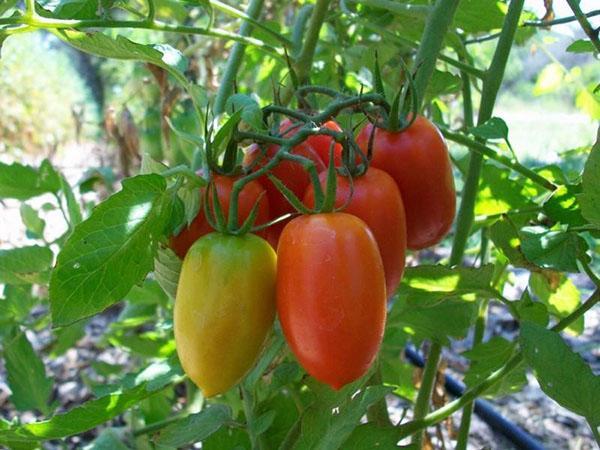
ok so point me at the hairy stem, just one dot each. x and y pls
(585, 23)
(236, 58)
(437, 24)
(491, 85)
(426, 389)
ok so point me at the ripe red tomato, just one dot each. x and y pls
(249, 195)
(331, 296)
(291, 173)
(417, 158)
(377, 201)
(321, 144)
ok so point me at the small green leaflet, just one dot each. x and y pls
(23, 182)
(434, 302)
(25, 265)
(195, 427)
(562, 373)
(557, 250)
(581, 46)
(100, 44)
(590, 199)
(110, 251)
(27, 379)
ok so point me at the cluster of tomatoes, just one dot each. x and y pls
(327, 276)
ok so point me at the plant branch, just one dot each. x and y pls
(483, 150)
(236, 58)
(585, 23)
(491, 85)
(48, 23)
(580, 311)
(303, 63)
(426, 389)
(437, 24)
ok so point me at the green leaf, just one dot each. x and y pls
(531, 311)
(110, 251)
(486, 358)
(191, 197)
(24, 182)
(167, 267)
(32, 221)
(371, 436)
(563, 206)
(78, 9)
(581, 46)
(250, 110)
(6, 5)
(442, 83)
(588, 100)
(195, 427)
(435, 302)
(72, 205)
(563, 375)
(494, 128)
(559, 294)
(122, 48)
(322, 429)
(499, 193)
(109, 439)
(67, 337)
(25, 265)
(590, 199)
(557, 250)
(505, 236)
(550, 79)
(474, 16)
(27, 379)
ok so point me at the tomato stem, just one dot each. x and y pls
(235, 59)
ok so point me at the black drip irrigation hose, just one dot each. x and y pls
(520, 438)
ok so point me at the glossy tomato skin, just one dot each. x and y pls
(321, 143)
(225, 308)
(292, 174)
(417, 158)
(331, 297)
(375, 199)
(249, 195)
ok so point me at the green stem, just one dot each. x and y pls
(156, 426)
(465, 421)
(256, 441)
(48, 23)
(437, 24)
(491, 85)
(151, 11)
(378, 412)
(299, 26)
(548, 23)
(583, 308)
(585, 24)
(482, 150)
(303, 63)
(236, 58)
(426, 389)
(402, 9)
(29, 8)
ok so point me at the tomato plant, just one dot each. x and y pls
(224, 309)
(252, 193)
(331, 295)
(417, 158)
(375, 199)
(113, 334)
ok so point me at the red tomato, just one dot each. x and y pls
(291, 173)
(376, 200)
(321, 144)
(331, 296)
(417, 158)
(246, 201)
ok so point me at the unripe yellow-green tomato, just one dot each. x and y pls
(225, 308)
